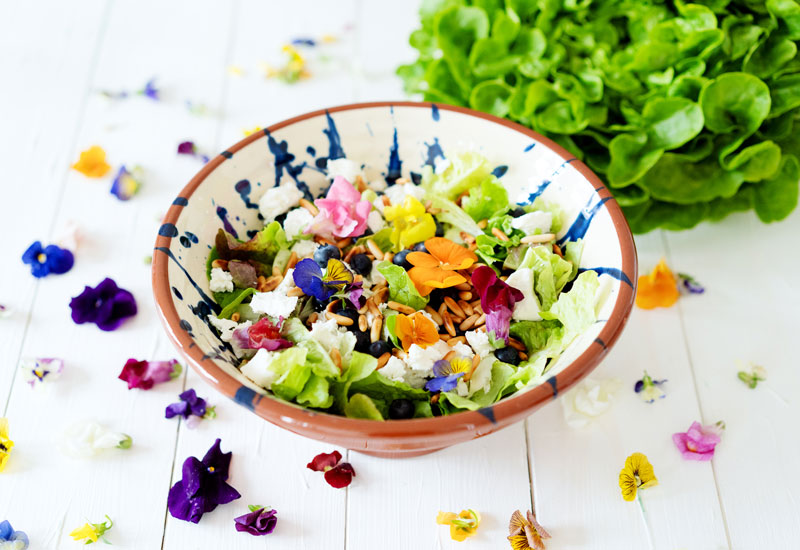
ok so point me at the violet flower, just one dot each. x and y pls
(308, 276)
(698, 442)
(691, 284)
(648, 389)
(497, 301)
(203, 486)
(126, 183)
(47, 260)
(447, 373)
(106, 305)
(189, 148)
(150, 90)
(261, 335)
(189, 405)
(260, 521)
(338, 474)
(11, 539)
(145, 374)
(39, 370)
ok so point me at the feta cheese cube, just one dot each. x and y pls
(257, 369)
(305, 248)
(278, 200)
(346, 168)
(394, 370)
(276, 303)
(296, 221)
(479, 342)
(399, 191)
(375, 221)
(221, 280)
(532, 221)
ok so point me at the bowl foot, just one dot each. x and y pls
(399, 454)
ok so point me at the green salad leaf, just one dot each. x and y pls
(401, 287)
(487, 200)
(463, 172)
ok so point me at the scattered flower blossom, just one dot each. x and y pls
(294, 70)
(203, 486)
(261, 335)
(497, 301)
(439, 266)
(145, 374)
(462, 525)
(637, 474)
(191, 408)
(415, 329)
(70, 236)
(92, 163)
(235, 70)
(5, 443)
(11, 539)
(410, 222)
(338, 474)
(250, 131)
(87, 438)
(657, 289)
(648, 389)
(197, 109)
(303, 42)
(699, 442)
(308, 276)
(149, 90)
(447, 373)
(260, 521)
(147, 260)
(690, 284)
(106, 305)
(92, 532)
(525, 533)
(5, 311)
(589, 399)
(753, 376)
(189, 148)
(45, 260)
(342, 213)
(127, 183)
(39, 370)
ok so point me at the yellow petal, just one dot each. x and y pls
(445, 518)
(86, 531)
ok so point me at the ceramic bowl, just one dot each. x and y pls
(390, 139)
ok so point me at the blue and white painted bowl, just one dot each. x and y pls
(391, 139)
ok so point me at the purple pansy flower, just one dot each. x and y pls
(47, 260)
(106, 305)
(309, 278)
(189, 405)
(16, 540)
(150, 90)
(145, 374)
(497, 300)
(189, 148)
(260, 521)
(203, 486)
(691, 284)
(447, 373)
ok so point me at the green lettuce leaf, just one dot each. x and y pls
(576, 308)
(551, 273)
(451, 213)
(317, 359)
(401, 288)
(487, 200)
(290, 364)
(501, 372)
(316, 393)
(361, 406)
(230, 301)
(464, 171)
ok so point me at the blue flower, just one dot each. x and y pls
(47, 260)
(447, 373)
(13, 540)
(648, 389)
(189, 405)
(127, 183)
(150, 90)
(309, 278)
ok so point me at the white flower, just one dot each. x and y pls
(221, 280)
(532, 221)
(346, 168)
(277, 200)
(257, 369)
(375, 221)
(70, 236)
(528, 308)
(399, 191)
(276, 303)
(589, 399)
(39, 370)
(88, 438)
(304, 248)
(295, 223)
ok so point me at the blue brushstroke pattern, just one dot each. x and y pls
(243, 187)
(227, 154)
(192, 237)
(283, 161)
(335, 150)
(529, 147)
(600, 342)
(488, 412)
(545, 183)
(214, 306)
(186, 326)
(180, 201)
(434, 151)
(500, 171)
(168, 230)
(185, 242)
(246, 397)
(311, 151)
(222, 214)
(434, 112)
(581, 224)
(617, 273)
(177, 293)
(553, 384)
(395, 164)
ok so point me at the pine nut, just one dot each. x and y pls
(374, 248)
(261, 282)
(434, 314)
(449, 355)
(454, 307)
(340, 319)
(388, 257)
(276, 270)
(375, 332)
(373, 308)
(557, 250)
(220, 263)
(235, 317)
(466, 307)
(312, 318)
(305, 203)
(383, 359)
(483, 223)
(465, 295)
(476, 360)
(386, 201)
(337, 358)
(523, 355)
(516, 344)
(296, 291)
(468, 323)
(408, 310)
(537, 239)
(362, 323)
(445, 337)
(293, 259)
(448, 323)
(463, 286)
(456, 340)
(344, 243)
(481, 320)
(272, 283)
(402, 181)
(499, 234)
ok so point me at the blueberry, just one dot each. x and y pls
(325, 253)
(376, 349)
(362, 341)
(361, 264)
(400, 259)
(508, 355)
(400, 409)
(281, 218)
(350, 314)
(439, 229)
(419, 247)
(517, 212)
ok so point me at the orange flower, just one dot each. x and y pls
(658, 289)
(438, 267)
(415, 329)
(92, 163)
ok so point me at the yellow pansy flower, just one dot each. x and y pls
(5, 443)
(637, 474)
(92, 163)
(462, 525)
(411, 223)
(91, 532)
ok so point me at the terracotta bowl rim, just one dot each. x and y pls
(334, 425)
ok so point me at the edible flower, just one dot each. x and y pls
(70, 236)
(525, 533)
(294, 69)
(637, 474)
(5, 443)
(191, 408)
(203, 486)
(48, 259)
(92, 163)
(10, 539)
(699, 442)
(250, 131)
(497, 301)
(198, 109)
(648, 389)
(260, 521)
(145, 374)
(261, 335)
(308, 276)
(150, 91)
(753, 376)
(338, 474)
(589, 399)
(690, 284)
(87, 438)
(447, 373)
(39, 370)
(106, 305)
(189, 148)
(410, 222)
(5, 311)
(342, 213)
(415, 329)
(462, 525)
(438, 267)
(658, 289)
(92, 532)
(127, 183)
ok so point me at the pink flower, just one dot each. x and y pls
(699, 441)
(262, 335)
(145, 374)
(342, 213)
(497, 301)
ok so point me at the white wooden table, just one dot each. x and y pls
(57, 55)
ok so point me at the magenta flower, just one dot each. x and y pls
(260, 521)
(145, 374)
(699, 442)
(106, 305)
(497, 300)
(338, 474)
(262, 335)
(342, 213)
(203, 486)
(189, 148)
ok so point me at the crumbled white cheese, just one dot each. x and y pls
(221, 280)
(440, 165)
(346, 168)
(479, 342)
(375, 221)
(532, 221)
(394, 370)
(398, 192)
(304, 249)
(422, 359)
(277, 200)
(482, 376)
(224, 326)
(378, 184)
(257, 369)
(296, 221)
(378, 204)
(287, 283)
(528, 308)
(276, 303)
(330, 335)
